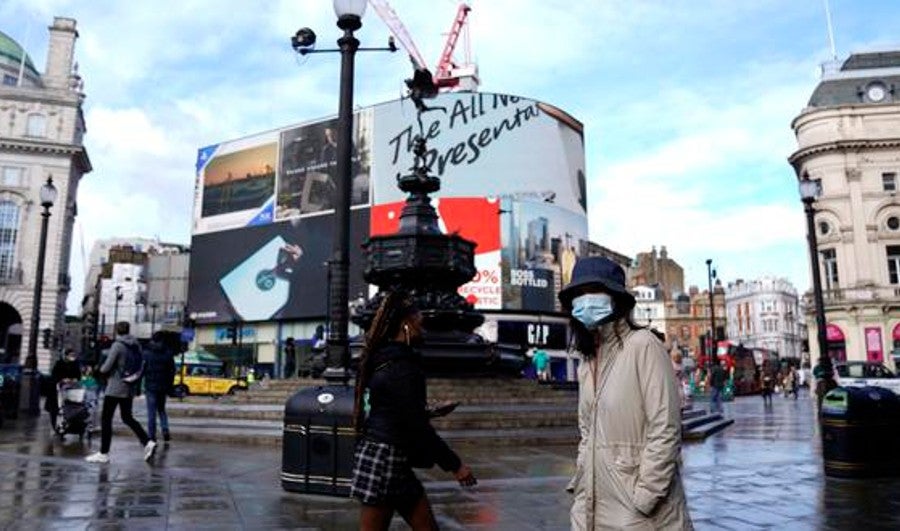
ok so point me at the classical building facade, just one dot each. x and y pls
(765, 313)
(141, 281)
(649, 307)
(848, 139)
(688, 319)
(655, 268)
(41, 131)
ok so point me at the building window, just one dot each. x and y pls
(889, 181)
(893, 262)
(893, 223)
(829, 262)
(37, 125)
(10, 80)
(9, 230)
(12, 176)
(824, 228)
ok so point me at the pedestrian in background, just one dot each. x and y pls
(290, 358)
(678, 368)
(66, 371)
(792, 383)
(717, 380)
(766, 383)
(541, 363)
(397, 435)
(629, 413)
(120, 394)
(159, 377)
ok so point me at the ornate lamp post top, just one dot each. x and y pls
(48, 193)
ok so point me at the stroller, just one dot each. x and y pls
(77, 411)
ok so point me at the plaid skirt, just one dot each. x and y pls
(382, 476)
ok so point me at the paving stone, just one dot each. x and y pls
(80, 524)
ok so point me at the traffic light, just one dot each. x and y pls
(232, 333)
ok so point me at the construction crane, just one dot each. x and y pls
(448, 75)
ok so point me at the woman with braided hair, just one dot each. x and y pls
(397, 434)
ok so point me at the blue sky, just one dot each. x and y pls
(687, 104)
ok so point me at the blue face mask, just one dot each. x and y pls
(592, 309)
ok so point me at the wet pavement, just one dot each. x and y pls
(762, 472)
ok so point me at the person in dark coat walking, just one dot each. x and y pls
(290, 358)
(717, 380)
(159, 375)
(397, 435)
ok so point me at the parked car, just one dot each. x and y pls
(863, 373)
(863, 369)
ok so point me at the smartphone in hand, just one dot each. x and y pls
(441, 409)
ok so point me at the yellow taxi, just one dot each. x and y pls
(202, 373)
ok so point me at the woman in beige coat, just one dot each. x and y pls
(629, 412)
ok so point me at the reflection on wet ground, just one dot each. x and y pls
(763, 472)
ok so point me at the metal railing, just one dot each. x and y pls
(874, 294)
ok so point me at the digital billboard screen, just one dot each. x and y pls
(307, 176)
(270, 272)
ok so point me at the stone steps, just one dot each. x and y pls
(698, 424)
(471, 392)
(487, 416)
(698, 433)
(496, 412)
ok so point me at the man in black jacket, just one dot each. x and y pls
(159, 375)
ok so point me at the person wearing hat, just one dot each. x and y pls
(629, 412)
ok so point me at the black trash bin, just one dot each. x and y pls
(318, 441)
(10, 387)
(860, 431)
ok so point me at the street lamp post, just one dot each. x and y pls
(332, 403)
(809, 192)
(29, 400)
(349, 13)
(710, 274)
(153, 317)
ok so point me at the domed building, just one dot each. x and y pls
(41, 131)
(848, 139)
(13, 67)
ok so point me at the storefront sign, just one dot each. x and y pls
(874, 348)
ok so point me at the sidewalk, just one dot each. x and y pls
(762, 472)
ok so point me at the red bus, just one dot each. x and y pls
(743, 364)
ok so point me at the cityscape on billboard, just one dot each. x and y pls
(242, 180)
(540, 244)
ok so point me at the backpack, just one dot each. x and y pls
(133, 366)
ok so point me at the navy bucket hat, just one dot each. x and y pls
(596, 271)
